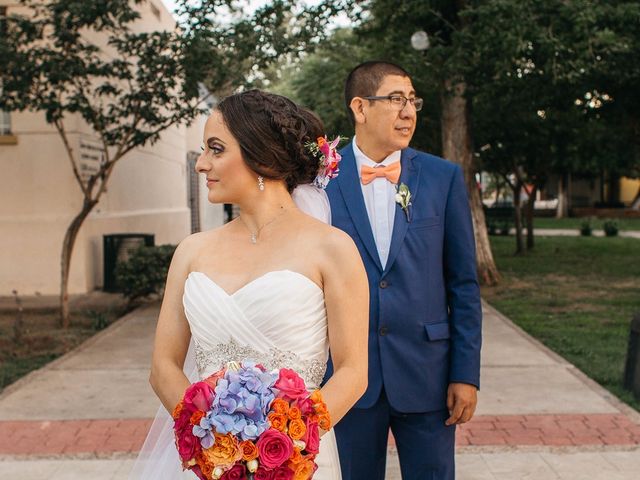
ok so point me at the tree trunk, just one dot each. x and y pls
(529, 216)
(456, 146)
(563, 196)
(517, 213)
(65, 258)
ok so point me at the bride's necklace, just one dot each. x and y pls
(255, 235)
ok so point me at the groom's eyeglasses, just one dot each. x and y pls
(398, 102)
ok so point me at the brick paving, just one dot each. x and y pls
(104, 437)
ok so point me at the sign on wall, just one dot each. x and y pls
(91, 157)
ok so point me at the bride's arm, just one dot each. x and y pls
(172, 335)
(346, 292)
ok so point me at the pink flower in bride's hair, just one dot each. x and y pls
(263, 474)
(290, 385)
(312, 437)
(275, 448)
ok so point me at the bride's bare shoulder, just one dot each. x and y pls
(330, 240)
(192, 246)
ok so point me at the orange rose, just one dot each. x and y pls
(278, 421)
(295, 458)
(316, 397)
(280, 406)
(324, 421)
(177, 410)
(294, 413)
(205, 466)
(225, 451)
(196, 417)
(321, 141)
(297, 429)
(249, 450)
(304, 470)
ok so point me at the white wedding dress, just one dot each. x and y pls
(279, 320)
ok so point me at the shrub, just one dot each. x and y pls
(586, 228)
(610, 228)
(145, 272)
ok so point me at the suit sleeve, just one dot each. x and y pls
(461, 280)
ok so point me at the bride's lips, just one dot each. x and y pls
(211, 181)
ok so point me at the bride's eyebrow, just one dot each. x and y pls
(215, 139)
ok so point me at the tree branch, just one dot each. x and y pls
(60, 127)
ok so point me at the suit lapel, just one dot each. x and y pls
(409, 175)
(349, 183)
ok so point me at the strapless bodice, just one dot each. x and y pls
(278, 319)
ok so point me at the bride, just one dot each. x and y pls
(275, 285)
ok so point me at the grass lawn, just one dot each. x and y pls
(43, 340)
(576, 223)
(577, 295)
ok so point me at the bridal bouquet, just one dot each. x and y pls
(246, 423)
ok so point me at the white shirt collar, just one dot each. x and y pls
(362, 159)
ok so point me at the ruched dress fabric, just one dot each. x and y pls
(279, 320)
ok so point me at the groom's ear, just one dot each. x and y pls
(357, 108)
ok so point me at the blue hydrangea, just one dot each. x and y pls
(241, 403)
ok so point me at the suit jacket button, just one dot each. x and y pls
(383, 284)
(383, 331)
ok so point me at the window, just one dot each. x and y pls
(5, 123)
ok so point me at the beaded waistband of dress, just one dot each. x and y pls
(311, 370)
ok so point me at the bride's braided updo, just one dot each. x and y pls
(272, 132)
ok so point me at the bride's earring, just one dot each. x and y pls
(261, 183)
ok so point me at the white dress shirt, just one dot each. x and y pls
(380, 200)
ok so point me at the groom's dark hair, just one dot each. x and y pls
(365, 79)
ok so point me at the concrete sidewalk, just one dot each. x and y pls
(567, 232)
(86, 414)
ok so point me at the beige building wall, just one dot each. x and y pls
(628, 189)
(39, 196)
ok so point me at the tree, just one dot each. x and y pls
(141, 83)
(541, 94)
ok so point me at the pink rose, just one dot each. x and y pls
(263, 474)
(312, 437)
(237, 472)
(283, 473)
(274, 448)
(290, 384)
(306, 406)
(182, 422)
(198, 396)
(188, 445)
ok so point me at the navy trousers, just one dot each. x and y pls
(425, 444)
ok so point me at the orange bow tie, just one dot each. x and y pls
(391, 172)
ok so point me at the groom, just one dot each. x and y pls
(425, 312)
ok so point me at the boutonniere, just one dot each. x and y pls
(403, 198)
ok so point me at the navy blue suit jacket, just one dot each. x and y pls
(425, 311)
